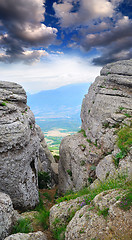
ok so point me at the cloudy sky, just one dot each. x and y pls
(45, 44)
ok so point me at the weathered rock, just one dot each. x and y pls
(19, 145)
(108, 99)
(78, 160)
(6, 215)
(30, 236)
(89, 224)
(22, 144)
(63, 212)
(106, 107)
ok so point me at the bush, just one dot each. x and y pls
(43, 180)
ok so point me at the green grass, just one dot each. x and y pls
(43, 218)
(111, 183)
(125, 138)
(22, 226)
(124, 143)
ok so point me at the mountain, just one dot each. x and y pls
(63, 102)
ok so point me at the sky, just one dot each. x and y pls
(45, 44)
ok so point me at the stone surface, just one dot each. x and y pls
(78, 160)
(63, 212)
(22, 145)
(30, 236)
(89, 224)
(106, 107)
(6, 215)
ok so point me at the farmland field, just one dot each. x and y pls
(55, 129)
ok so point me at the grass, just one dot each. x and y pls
(43, 218)
(111, 183)
(22, 226)
(124, 143)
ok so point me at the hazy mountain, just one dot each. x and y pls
(62, 102)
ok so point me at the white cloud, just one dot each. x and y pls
(88, 10)
(58, 71)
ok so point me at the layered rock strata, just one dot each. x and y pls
(105, 109)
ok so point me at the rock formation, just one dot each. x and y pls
(20, 147)
(88, 223)
(105, 109)
(6, 215)
(30, 236)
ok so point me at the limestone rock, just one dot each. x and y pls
(107, 101)
(78, 160)
(105, 109)
(89, 224)
(6, 215)
(63, 212)
(30, 236)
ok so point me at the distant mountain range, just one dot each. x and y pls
(63, 102)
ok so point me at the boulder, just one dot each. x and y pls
(6, 215)
(30, 236)
(90, 223)
(78, 161)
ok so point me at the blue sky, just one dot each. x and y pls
(51, 43)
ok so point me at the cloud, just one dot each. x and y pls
(100, 25)
(87, 11)
(21, 27)
(112, 43)
(58, 70)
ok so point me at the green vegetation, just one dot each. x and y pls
(69, 172)
(22, 226)
(3, 104)
(47, 196)
(126, 201)
(43, 179)
(93, 167)
(121, 108)
(128, 115)
(110, 183)
(43, 218)
(83, 163)
(103, 212)
(124, 142)
(59, 232)
(82, 131)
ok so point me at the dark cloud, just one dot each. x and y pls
(21, 28)
(104, 25)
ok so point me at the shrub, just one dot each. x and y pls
(43, 179)
(47, 196)
(82, 131)
(22, 226)
(103, 212)
(69, 172)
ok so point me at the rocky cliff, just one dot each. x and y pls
(20, 148)
(106, 109)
